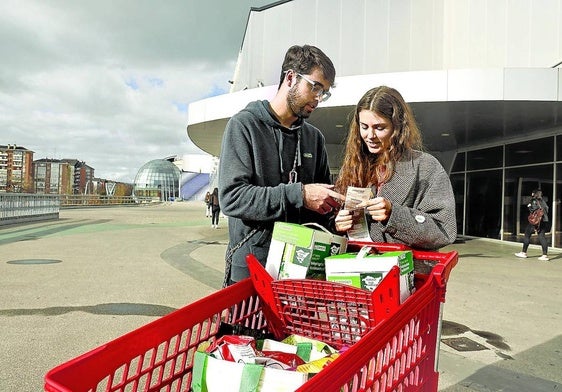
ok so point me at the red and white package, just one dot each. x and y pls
(234, 348)
(279, 360)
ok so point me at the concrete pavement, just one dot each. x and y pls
(70, 285)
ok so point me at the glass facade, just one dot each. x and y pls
(493, 187)
(159, 179)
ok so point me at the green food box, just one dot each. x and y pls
(367, 271)
(298, 251)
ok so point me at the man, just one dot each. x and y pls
(273, 164)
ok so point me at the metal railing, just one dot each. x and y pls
(27, 207)
(96, 200)
(23, 207)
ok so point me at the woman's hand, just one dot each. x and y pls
(343, 221)
(379, 208)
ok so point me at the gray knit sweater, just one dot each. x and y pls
(423, 205)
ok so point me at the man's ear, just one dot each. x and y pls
(290, 77)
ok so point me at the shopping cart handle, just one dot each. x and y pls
(442, 270)
(262, 283)
(386, 296)
(379, 247)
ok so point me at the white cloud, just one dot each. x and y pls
(109, 82)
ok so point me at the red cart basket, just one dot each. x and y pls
(391, 346)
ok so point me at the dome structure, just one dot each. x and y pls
(157, 179)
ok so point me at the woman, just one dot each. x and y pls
(208, 204)
(215, 208)
(412, 200)
(536, 203)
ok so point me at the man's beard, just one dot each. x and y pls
(293, 99)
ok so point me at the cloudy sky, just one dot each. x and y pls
(109, 82)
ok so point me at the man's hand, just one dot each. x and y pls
(321, 198)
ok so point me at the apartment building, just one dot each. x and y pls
(82, 176)
(16, 169)
(53, 176)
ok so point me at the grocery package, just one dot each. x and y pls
(237, 362)
(298, 251)
(366, 270)
(215, 375)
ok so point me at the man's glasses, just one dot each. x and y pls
(317, 88)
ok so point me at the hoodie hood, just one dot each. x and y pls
(263, 111)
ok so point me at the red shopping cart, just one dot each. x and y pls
(391, 346)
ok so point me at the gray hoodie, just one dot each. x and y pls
(257, 155)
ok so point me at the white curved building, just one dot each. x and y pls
(483, 78)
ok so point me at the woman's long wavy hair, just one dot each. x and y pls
(361, 168)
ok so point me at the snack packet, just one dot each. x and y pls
(234, 348)
(317, 365)
(279, 360)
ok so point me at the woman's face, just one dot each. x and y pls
(375, 131)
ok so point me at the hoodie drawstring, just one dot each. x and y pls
(293, 174)
(297, 162)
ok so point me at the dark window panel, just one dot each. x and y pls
(487, 158)
(458, 165)
(483, 203)
(530, 151)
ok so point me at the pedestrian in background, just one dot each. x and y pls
(412, 200)
(208, 204)
(215, 208)
(274, 164)
(535, 204)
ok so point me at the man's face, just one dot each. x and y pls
(301, 99)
